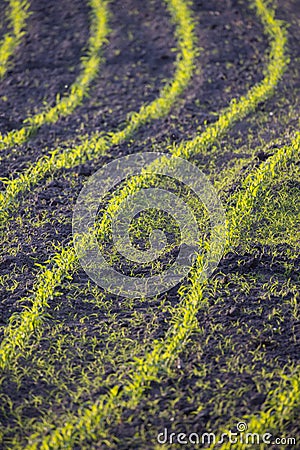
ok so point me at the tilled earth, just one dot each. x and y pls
(247, 330)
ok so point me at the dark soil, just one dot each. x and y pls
(138, 61)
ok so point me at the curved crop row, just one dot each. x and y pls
(19, 329)
(113, 351)
(18, 332)
(281, 403)
(17, 15)
(184, 321)
(66, 105)
(164, 352)
(98, 144)
(91, 422)
(238, 109)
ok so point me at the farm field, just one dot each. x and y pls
(207, 362)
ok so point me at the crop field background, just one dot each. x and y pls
(83, 83)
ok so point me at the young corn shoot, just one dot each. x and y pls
(17, 15)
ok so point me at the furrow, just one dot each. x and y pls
(91, 423)
(64, 106)
(160, 106)
(163, 353)
(98, 144)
